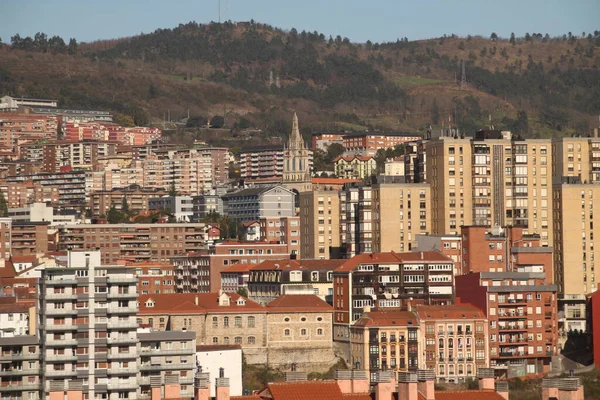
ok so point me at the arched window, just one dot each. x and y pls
(286, 332)
(215, 322)
(319, 319)
(162, 320)
(383, 350)
(151, 321)
(225, 321)
(251, 322)
(441, 343)
(303, 319)
(215, 340)
(139, 321)
(251, 340)
(226, 340)
(320, 331)
(303, 332)
(237, 321)
(450, 343)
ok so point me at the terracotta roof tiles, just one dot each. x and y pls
(454, 311)
(388, 318)
(468, 395)
(294, 265)
(299, 302)
(314, 390)
(194, 303)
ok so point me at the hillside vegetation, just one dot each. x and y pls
(255, 75)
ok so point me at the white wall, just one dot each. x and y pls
(78, 258)
(230, 360)
(17, 326)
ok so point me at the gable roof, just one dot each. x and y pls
(468, 395)
(388, 318)
(295, 265)
(299, 302)
(453, 311)
(302, 390)
(194, 303)
(393, 257)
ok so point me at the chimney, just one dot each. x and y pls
(408, 386)
(343, 377)
(222, 386)
(563, 389)
(360, 381)
(384, 388)
(172, 387)
(502, 389)
(201, 386)
(486, 378)
(426, 384)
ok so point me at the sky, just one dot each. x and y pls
(359, 20)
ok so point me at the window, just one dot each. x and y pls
(226, 321)
(215, 340)
(237, 321)
(237, 340)
(286, 332)
(226, 340)
(251, 340)
(320, 331)
(251, 322)
(303, 332)
(215, 322)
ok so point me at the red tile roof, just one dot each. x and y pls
(388, 318)
(194, 303)
(356, 396)
(294, 265)
(23, 259)
(239, 268)
(298, 302)
(468, 395)
(250, 397)
(303, 390)
(393, 257)
(454, 311)
(8, 271)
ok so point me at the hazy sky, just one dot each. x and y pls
(378, 20)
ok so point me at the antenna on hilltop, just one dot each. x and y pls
(463, 79)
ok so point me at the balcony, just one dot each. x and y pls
(131, 324)
(64, 281)
(513, 353)
(68, 326)
(131, 385)
(18, 356)
(60, 357)
(60, 296)
(122, 279)
(121, 371)
(61, 342)
(122, 340)
(166, 367)
(129, 295)
(122, 310)
(16, 387)
(16, 372)
(165, 352)
(122, 356)
(60, 373)
(60, 311)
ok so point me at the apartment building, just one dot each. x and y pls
(273, 278)
(449, 245)
(415, 161)
(20, 372)
(113, 176)
(41, 212)
(577, 157)
(134, 242)
(385, 341)
(323, 140)
(205, 205)
(320, 224)
(389, 281)
(17, 128)
(262, 163)
(490, 179)
(283, 229)
(253, 203)
(5, 235)
(63, 190)
(505, 249)
(576, 223)
(154, 278)
(367, 143)
(16, 319)
(88, 329)
(9, 103)
(399, 213)
(235, 277)
(354, 167)
(54, 155)
(521, 308)
(18, 167)
(356, 220)
(394, 167)
(167, 361)
(137, 199)
(180, 207)
(453, 340)
(29, 238)
(201, 271)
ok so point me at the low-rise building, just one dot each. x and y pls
(154, 278)
(29, 238)
(137, 199)
(354, 167)
(253, 203)
(236, 277)
(180, 207)
(449, 245)
(16, 319)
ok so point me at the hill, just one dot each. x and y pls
(255, 75)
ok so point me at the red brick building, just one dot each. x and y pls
(154, 278)
(284, 230)
(523, 320)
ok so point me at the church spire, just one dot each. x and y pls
(295, 138)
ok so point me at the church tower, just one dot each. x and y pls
(297, 162)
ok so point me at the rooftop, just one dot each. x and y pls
(194, 303)
(299, 302)
(455, 311)
(295, 265)
(387, 318)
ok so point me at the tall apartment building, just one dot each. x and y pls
(491, 179)
(15, 128)
(20, 371)
(55, 155)
(284, 230)
(205, 205)
(18, 167)
(576, 223)
(415, 161)
(367, 143)
(64, 190)
(522, 311)
(399, 212)
(88, 329)
(134, 242)
(29, 238)
(389, 281)
(320, 224)
(356, 220)
(5, 238)
(262, 163)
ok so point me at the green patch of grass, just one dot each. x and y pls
(405, 81)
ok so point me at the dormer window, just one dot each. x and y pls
(241, 302)
(150, 304)
(314, 276)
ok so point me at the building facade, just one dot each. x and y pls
(320, 224)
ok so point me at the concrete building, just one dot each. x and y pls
(17, 128)
(356, 220)
(229, 357)
(453, 340)
(273, 278)
(137, 199)
(320, 224)
(399, 213)
(354, 167)
(205, 205)
(40, 212)
(367, 143)
(491, 179)
(180, 207)
(154, 278)
(29, 238)
(253, 203)
(388, 281)
(521, 308)
(235, 277)
(251, 231)
(100, 300)
(449, 245)
(262, 163)
(322, 141)
(284, 230)
(65, 190)
(394, 167)
(5, 232)
(20, 372)
(16, 319)
(9, 103)
(134, 242)
(55, 155)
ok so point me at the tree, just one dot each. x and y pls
(72, 47)
(435, 112)
(125, 206)
(3, 206)
(114, 216)
(173, 190)
(242, 292)
(335, 150)
(196, 122)
(217, 122)
(494, 37)
(512, 40)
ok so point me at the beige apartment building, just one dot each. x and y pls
(576, 157)
(320, 224)
(400, 213)
(491, 179)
